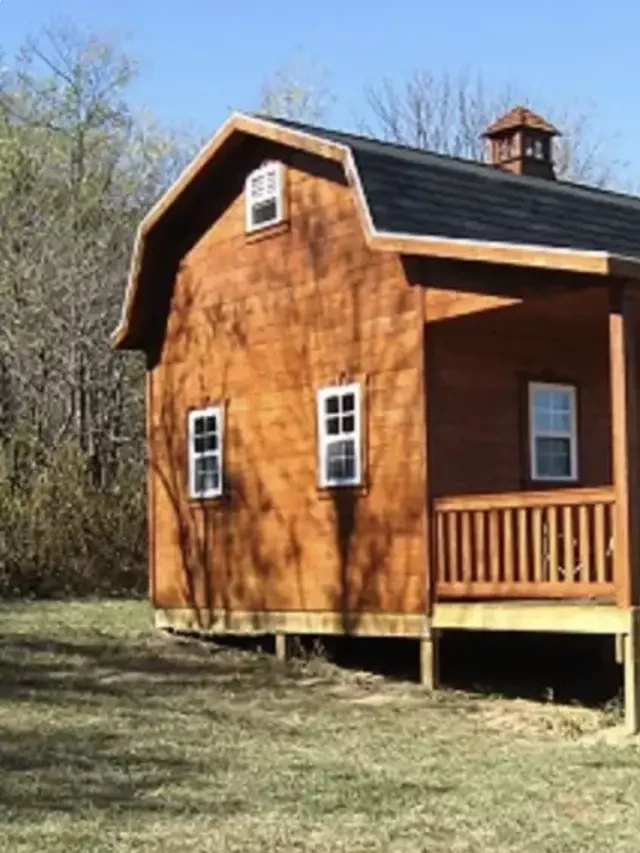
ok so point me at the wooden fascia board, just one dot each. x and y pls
(624, 268)
(541, 257)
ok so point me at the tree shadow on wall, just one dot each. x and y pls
(260, 326)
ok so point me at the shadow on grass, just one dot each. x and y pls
(59, 672)
(89, 726)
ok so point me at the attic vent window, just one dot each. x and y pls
(263, 197)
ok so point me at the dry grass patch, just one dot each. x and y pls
(116, 739)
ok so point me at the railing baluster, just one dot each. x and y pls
(467, 550)
(567, 535)
(480, 549)
(552, 526)
(600, 546)
(536, 524)
(442, 573)
(612, 544)
(507, 542)
(494, 546)
(453, 546)
(523, 557)
(585, 550)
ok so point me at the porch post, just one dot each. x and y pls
(624, 446)
(429, 663)
(280, 647)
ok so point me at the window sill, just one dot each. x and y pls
(213, 500)
(545, 485)
(336, 492)
(268, 231)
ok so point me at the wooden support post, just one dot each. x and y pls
(624, 443)
(619, 647)
(423, 390)
(429, 675)
(281, 647)
(632, 674)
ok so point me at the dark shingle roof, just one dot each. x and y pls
(411, 191)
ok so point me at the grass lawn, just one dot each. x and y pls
(117, 739)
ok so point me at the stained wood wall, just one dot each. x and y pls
(479, 366)
(259, 324)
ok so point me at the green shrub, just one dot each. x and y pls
(63, 535)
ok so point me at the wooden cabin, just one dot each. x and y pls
(390, 393)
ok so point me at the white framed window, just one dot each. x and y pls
(264, 196)
(339, 435)
(205, 452)
(553, 427)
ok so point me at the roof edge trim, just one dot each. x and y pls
(452, 248)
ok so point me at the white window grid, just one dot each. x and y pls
(339, 435)
(263, 188)
(205, 437)
(570, 433)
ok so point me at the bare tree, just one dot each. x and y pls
(448, 113)
(298, 91)
(78, 169)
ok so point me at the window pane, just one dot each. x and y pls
(542, 420)
(271, 182)
(200, 475)
(258, 184)
(341, 460)
(553, 457)
(561, 421)
(542, 400)
(333, 426)
(560, 401)
(207, 473)
(210, 442)
(198, 444)
(264, 211)
(198, 425)
(552, 410)
(348, 423)
(211, 423)
(348, 402)
(332, 405)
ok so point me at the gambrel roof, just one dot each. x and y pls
(411, 191)
(416, 202)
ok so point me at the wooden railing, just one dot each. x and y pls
(555, 544)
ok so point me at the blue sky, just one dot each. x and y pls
(202, 58)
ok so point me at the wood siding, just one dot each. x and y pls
(480, 365)
(259, 324)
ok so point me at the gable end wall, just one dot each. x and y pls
(259, 324)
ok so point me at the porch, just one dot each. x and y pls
(515, 545)
(528, 501)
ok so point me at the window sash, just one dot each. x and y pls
(536, 432)
(205, 460)
(346, 436)
(264, 187)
